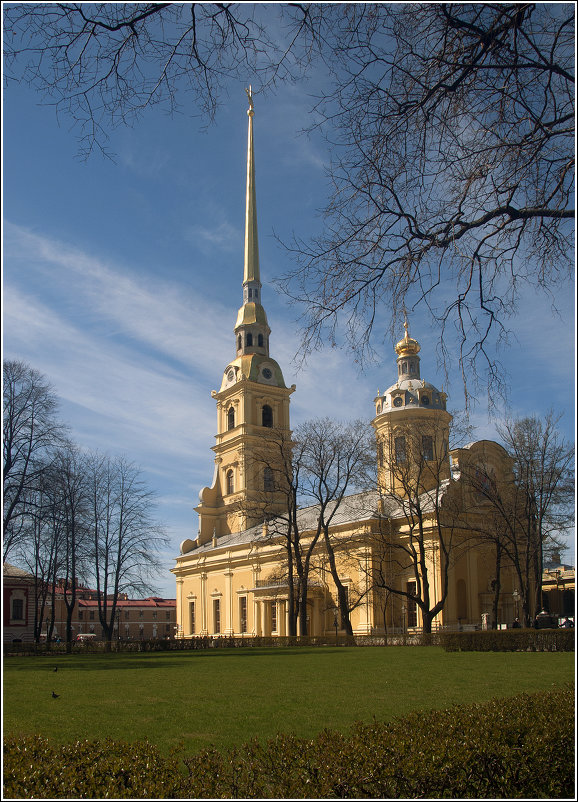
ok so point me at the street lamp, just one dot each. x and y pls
(516, 596)
(335, 624)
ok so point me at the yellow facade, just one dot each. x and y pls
(232, 578)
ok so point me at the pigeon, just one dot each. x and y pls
(56, 668)
(55, 695)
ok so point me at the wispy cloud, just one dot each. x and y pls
(113, 302)
(222, 236)
(133, 364)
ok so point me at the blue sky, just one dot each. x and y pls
(122, 280)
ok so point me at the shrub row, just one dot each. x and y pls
(510, 640)
(508, 748)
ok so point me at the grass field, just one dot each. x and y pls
(226, 697)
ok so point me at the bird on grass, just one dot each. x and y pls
(56, 668)
(55, 695)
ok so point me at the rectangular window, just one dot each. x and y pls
(411, 605)
(273, 616)
(126, 615)
(192, 616)
(427, 447)
(400, 455)
(168, 615)
(154, 614)
(140, 613)
(80, 615)
(243, 613)
(18, 609)
(216, 616)
(91, 615)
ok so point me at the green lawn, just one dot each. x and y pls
(225, 697)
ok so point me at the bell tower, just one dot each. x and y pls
(253, 431)
(411, 428)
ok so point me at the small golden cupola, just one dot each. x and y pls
(411, 424)
(407, 356)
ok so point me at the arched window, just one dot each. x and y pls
(250, 293)
(230, 482)
(267, 416)
(427, 447)
(268, 480)
(400, 455)
(231, 418)
(260, 341)
(239, 342)
(249, 339)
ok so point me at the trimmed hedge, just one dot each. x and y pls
(508, 748)
(511, 640)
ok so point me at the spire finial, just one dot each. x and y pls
(250, 110)
(251, 272)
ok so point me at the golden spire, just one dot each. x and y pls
(251, 272)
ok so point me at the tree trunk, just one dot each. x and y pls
(497, 586)
(341, 593)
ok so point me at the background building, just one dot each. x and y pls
(136, 619)
(18, 601)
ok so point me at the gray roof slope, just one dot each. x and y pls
(12, 570)
(357, 508)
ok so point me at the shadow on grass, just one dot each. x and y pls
(119, 661)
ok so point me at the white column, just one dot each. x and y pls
(180, 622)
(229, 628)
(204, 629)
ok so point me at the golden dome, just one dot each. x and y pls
(408, 345)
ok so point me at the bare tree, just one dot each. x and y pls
(451, 128)
(71, 515)
(102, 64)
(275, 464)
(313, 469)
(40, 551)
(543, 471)
(334, 463)
(417, 537)
(526, 511)
(453, 172)
(125, 538)
(31, 432)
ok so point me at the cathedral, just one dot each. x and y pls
(408, 551)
